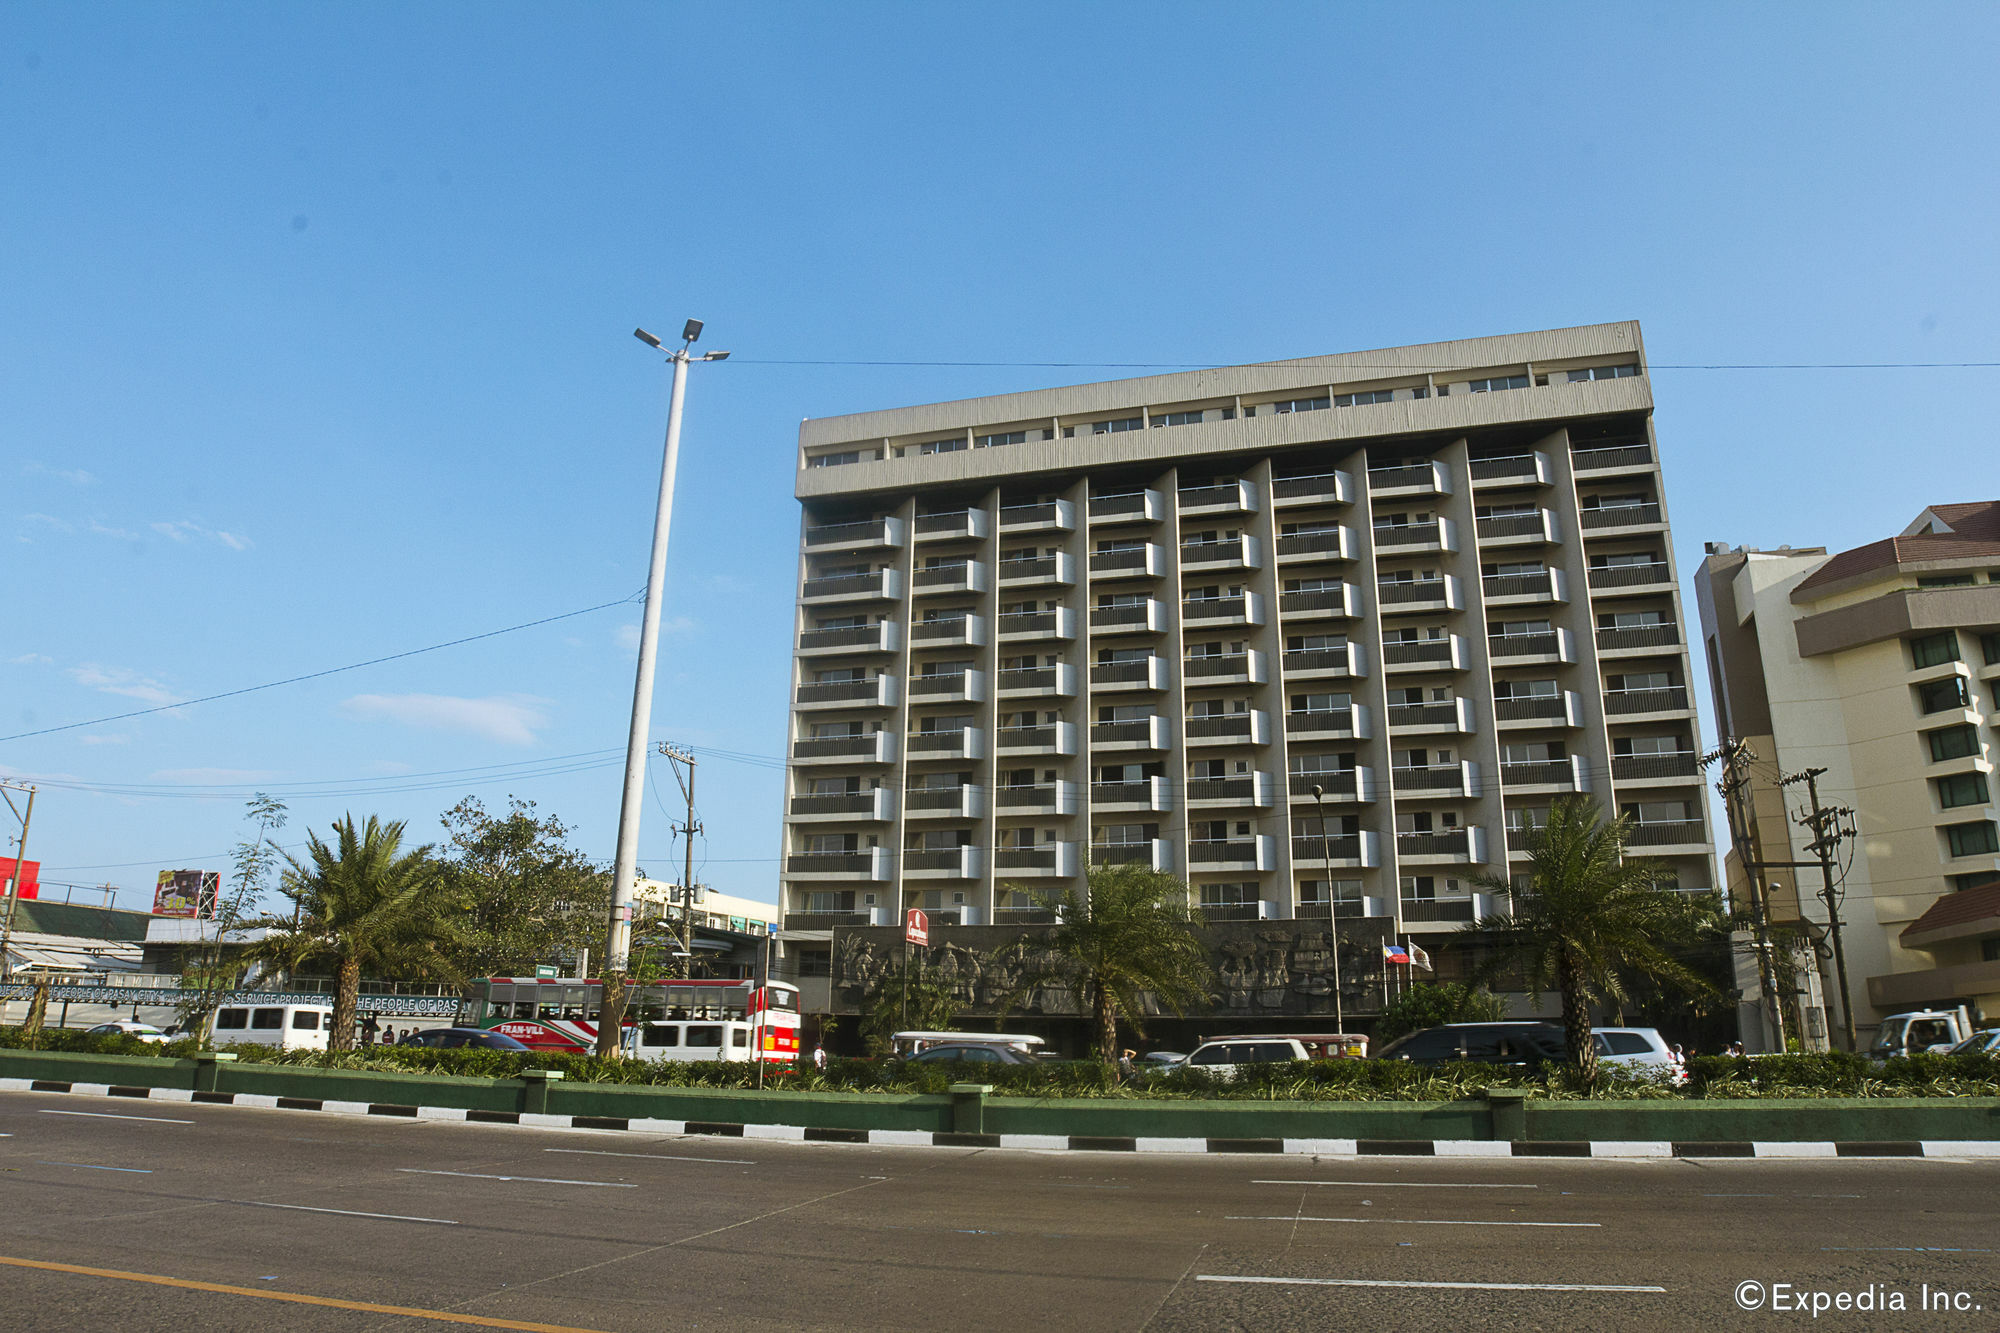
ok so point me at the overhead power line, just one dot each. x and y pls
(1412, 367)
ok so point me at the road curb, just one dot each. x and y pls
(1602, 1149)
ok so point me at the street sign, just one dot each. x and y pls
(545, 972)
(917, 927)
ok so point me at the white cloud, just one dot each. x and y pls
(104, 530)
(123, 681)
(628, 635)
(112, 738)
(74, 476)
(213, 777)
(182, 530)
(628, 638)
(511, 719)
(32, 659)
(49, 520)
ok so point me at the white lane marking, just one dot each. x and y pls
(653, 1156)
(529, 1180)
(92, 1166)
(345, 1212)
(1428, 1286)
(106, 1115)
(1399, 1184)
(1414, 1221)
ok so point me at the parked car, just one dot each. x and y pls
(973, 1053)
(126, 1027)
(1156, 1061)
(1515, 1045)
(1986, 1041)
(1225, 1055)
(1637, 1050)
(451, 1037)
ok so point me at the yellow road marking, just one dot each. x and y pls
(295, 1298)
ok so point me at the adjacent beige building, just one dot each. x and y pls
(1317, 635)
(1882, 666)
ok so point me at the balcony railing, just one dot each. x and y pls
(1538, 773)
(1344, 785)
(1518, 585)
(1524, 645)
(876, 583)
(1451, 842)
(1140, 730)
(1028, 796)
(1244, 789)
(1224, 725)
(1141, 614)
(1327, 485)
(1052, 513)
(1639, 767)
(1629, 576)
(1639, 636)
(1129, 502)
(873, 531)
(1038, 568)
(1337, 661)
(1497, 469)
(1524, 708)
(1332, 600)
(1430, 777)
(869, 691)
(1620, 516)
(844, 636)
(831, 863)
(1408, 534)
(1143, 670)
(1646, 701)
(1661, 833)
(865, 803)
(1496, 526)
(1414, 474)
(1122, 557)
(1424, 715)
(1401, 653)
(865, 746)
(1616, 456)
(1306, 721)
(1223, 664)
(1332, 542)
(1221, 851)
(1403, 591)
(1308, 849)
(1437, 909)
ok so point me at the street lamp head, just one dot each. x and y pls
(1316, 791)
(692, 331)
(715, 356)
(647, 338)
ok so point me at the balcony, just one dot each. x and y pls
(830, 921)
(1146, 616)
(1625, 705)
(962, 801)
(1456, 911)
(1038, 571)
(1426, 478)
(1458, 846)
(875, 747)
(1042, 798)
(1681, 766)
(1614, 518)
(882, 585)
(1337, 851)
(1460, 779)
(1244, 791)
(1139, 675)
(1342, 602)
(948, 687)
(1225, 553)
(1638, 639)
(1502, 530)
(880, 637)
(1616, 458)
(1409, 596)
(1649, 577)
(1235, 497)
(1551, 776)
(1145, 795)
(1153, 853)
(1051, 682)
(1247, 728)
(966, 631)
(1407, 655)
(959, 576)
(1045, 860)
(868, 864)
(1666, 837)
(1324, 663)
(1257, 853)
(954, 525)
(1240, 610)
(1325, 488)
(1143, 733)
(1046, 516)
(1031, 626)
(1556, 646)
(1446, 716)
(1400, 539)
(1053, 738)
(1347, 786)
(955, 743)
(1563, 709)
(874, 692)
(874, 534)
(863, 807)
(1326, 724)
(1142, 561)
(1332, 543)
(1549, 585)
(1146, 506)
(1529, 469)
(1245, 668)
(944, 863)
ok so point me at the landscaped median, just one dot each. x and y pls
(1522, 1121)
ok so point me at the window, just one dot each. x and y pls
(1301, 405)
(1938, 695)
(1934, 649)
(834, 460)
(307, 1020)
(1000, 439)
(1978, 879)
(660, 1036)
(1961, 789)
(705, 1034)
(1497, 383)
(1953, 742)
(941, 446)
(1114, 427)
(739, 1038)
(267, 1018)
(1979, 838)
(1362, 399)
(232, 1018)
(1945, 581)
(1989, 647)
(1602, 373)
(1177, 418)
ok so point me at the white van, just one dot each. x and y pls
(727, 1039)
(289, 1027)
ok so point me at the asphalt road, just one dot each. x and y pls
(224, 1218)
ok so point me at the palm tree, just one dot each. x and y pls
(1129, 936)
(363, 904)
(1588, 919)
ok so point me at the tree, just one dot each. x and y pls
(254, 860)
(902, 1000)
(1429, 1004)
(364, 904)
(1588, 920)
(529, 896)
(1127, 940)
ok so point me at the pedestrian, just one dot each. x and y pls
(1736, 1048)
(1126, 1069)
(388, 1036)
(370, 1031)
(819, 1058)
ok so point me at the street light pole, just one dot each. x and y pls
(1332, 908)
(618, 931)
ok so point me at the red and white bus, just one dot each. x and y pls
(701, 1019)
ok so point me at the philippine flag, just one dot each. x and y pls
(1395, 953)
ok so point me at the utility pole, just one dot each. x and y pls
(1826, 828)
(20, 865)
(618, 930)
(687, 830)
(1734, 755)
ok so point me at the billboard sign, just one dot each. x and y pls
(917, 927)
(31, 877)
(187, 893)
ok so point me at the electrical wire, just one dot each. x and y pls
(1406, 367)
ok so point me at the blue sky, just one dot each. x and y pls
(317, 347)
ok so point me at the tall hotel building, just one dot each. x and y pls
(1314, 633)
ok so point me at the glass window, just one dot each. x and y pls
(1934, 649)
(1962, 789)
(232, 1018)
(267, 1018)
(705, 1034)
(1938, 695)
(1978, 838)
(305, 1020)
(1989, 646)
(1953, 742)
(1945, 581)
(660, 1036)
(739, 1038)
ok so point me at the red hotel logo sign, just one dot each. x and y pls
(917, 927)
